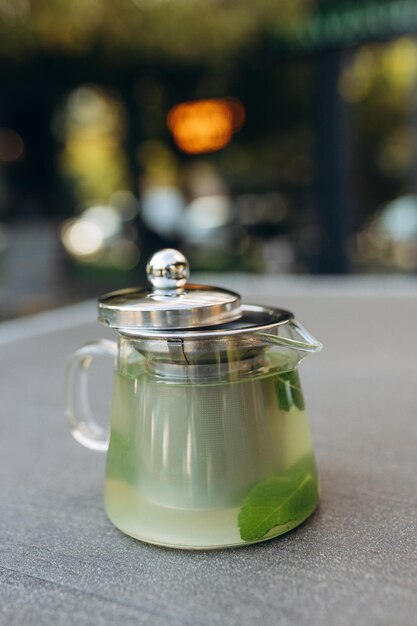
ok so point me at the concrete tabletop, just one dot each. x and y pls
(353, 562)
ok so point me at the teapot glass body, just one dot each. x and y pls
(209, 442)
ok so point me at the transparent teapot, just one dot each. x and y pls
(209, 443)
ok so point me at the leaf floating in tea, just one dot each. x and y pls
(289, 391)
(276, 501)
(284, 395)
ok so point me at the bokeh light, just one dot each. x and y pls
(389, 239)
(11, 145)
(82, 238)
(205, 125)
(205, 215)
(93, 157)
(101, 236)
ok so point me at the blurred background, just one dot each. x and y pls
(265, 137)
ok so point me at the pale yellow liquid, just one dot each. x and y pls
(183, 457)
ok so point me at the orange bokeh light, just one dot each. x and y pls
(205, 125)
(11, 145)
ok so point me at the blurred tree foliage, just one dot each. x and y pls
(194, 30)
(180, 29)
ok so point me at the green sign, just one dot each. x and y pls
(354, 23)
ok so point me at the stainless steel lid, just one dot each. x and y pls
(172, 303)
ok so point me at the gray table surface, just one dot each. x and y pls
(353, 562)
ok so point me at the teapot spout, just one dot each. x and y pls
(293, 335)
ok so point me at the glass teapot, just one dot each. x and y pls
(209, 443)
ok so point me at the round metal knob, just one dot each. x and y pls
(168, 269)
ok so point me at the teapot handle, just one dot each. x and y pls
(84, 427)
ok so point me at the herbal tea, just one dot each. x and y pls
(209, 464)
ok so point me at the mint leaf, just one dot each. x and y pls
(289, 391)
(276, 501)
(121, 458)
(284, 394)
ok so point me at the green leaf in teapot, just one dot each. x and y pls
(279, 500)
